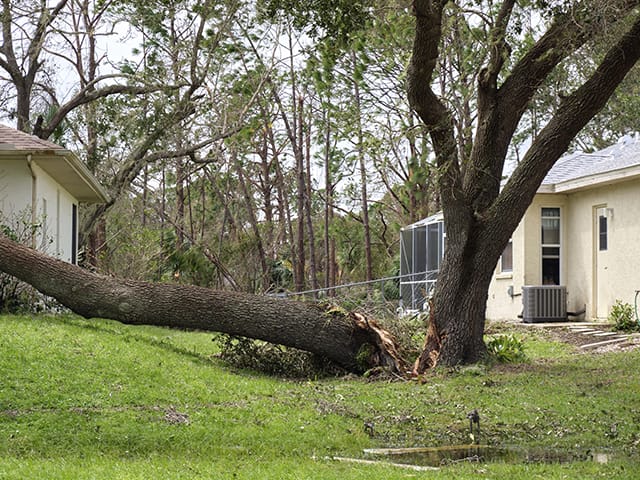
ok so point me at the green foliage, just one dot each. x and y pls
(623, 318)
(8, 232)
(190, 265)
(281, 274)
(17, 296)
(506, 349)
(337, 20)
(271, 359)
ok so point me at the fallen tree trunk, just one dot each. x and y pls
(348, 339)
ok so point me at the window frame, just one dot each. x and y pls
(603, 233)
(509, 247)
(547, 248)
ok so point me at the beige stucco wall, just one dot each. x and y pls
(53, 205)
(15, 187)
(527, 268)
(591, 276)
(500, 304)
(603, 277)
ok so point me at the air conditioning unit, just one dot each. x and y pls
(544, 303)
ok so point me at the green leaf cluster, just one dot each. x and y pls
(337, 20)
(622, 317)
(506, 349)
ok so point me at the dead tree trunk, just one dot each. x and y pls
(349, 340)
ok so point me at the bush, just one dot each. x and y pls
(246, 353)
(622, 317)
(506, 349)
(17, 296)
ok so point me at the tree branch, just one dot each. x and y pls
(574, 113)
(500, 111)
(427, 104)
(499, 50)
(87, 95)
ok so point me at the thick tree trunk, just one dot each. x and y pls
(350, 340)
(457, 310)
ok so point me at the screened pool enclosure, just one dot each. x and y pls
(421, 249)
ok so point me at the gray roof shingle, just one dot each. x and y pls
(624, 154)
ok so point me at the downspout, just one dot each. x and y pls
(34, 199)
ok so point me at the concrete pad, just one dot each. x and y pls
(567, 324)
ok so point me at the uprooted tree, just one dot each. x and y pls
(350, 340)
(480, 215)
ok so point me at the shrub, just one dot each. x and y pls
(622, 317)
(506, 349)
(17, 296)
(246, 353)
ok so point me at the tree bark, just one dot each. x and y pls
(349, 340)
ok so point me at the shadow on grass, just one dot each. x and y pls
(124, 333)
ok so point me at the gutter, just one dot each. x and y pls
(34, 198)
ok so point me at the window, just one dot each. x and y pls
(550, 246)
(44, 225)
(602, 231)
(506, 260)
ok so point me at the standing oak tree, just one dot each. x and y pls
(479, 214)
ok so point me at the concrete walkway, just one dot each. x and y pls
(600, 332)
(600, 337)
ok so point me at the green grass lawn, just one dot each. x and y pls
(96, 399)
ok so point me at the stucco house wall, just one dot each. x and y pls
(43, 184)
(602, 277)
(583, 187)
(15, 187)
(54, 212)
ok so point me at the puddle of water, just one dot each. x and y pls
(438, 456)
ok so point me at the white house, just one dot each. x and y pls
(41, 185)
(577, 248)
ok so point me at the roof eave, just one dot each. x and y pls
(101, 195)
(596, 180)
(94, 191)
(547, 188)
